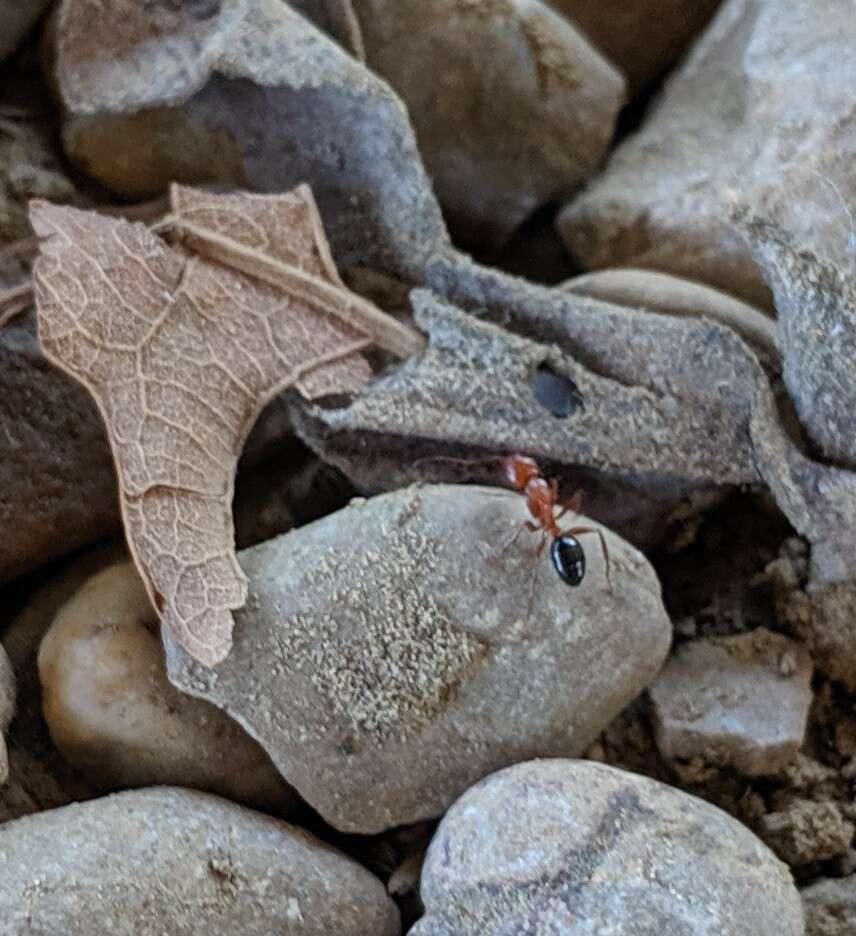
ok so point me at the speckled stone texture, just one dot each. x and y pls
(397, 651)
(165, 860)
(572, 848)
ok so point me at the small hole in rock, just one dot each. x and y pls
(558, 394)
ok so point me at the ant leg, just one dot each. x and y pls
(573, 504)
(577, 531)
(540, 549)
(511, 540)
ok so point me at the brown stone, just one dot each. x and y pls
(643, 37)
(511, 105)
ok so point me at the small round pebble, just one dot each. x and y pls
(573, 848)
(114, 715)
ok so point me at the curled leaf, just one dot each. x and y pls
(181, 354)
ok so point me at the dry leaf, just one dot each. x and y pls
(182, 353)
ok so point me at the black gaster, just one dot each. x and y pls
(568, 558)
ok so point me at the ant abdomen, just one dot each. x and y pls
(568, 557)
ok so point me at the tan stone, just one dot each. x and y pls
(113, 714)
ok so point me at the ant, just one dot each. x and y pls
(542, 498)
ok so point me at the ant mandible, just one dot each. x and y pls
(542, 498)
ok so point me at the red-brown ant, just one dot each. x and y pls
(542, 498)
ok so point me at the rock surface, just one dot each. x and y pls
(7, 710)
(816, 302)
(336, 18)
(739, 702)
(759, 127)
(575, 848)
(105, 689)
(642, 38)
(830, 907)
(512, 106)
(164, 860)
(405, 653)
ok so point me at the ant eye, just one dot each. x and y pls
(556, 393)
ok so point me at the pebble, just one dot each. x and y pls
(806, 831)
(830, 907)
(113, 714)
(164, 860)
(7, 710)
(530, 104)
(573, 848)
(738, 702)
(393, 653)
(56, 473)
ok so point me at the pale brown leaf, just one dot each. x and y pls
(181, 353)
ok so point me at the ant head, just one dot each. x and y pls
(568, 557)
(520, 470)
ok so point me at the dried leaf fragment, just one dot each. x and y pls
(181, 354)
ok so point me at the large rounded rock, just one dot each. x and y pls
(114, 715)
(759, 114)
(572, 848)
(395, 652)
(151, 862)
